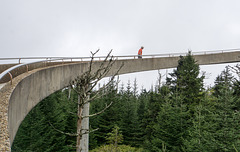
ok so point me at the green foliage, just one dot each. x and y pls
(121, 148)
(185, 80)
(200, 134)
(35, 132)
(115, 137)
(150, 117)
(170, 128)
(105, 121)
(227, 131)
(225, 79)
(129, 119)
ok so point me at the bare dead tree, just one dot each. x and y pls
(159, 81)
(84, 85)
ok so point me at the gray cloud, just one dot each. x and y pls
(76, 27)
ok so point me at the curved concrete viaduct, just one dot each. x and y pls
(28, 89)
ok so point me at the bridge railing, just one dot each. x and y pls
(50, 59)
(71, 59)
(17, 69)
(9, 71)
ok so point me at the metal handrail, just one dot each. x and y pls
(8, 71)
(123, 56)
(52, 59)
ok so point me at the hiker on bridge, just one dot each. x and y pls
(140, 52)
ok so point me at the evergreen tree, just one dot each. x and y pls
(171, 126)
(36, 132)
(226, 133)
(174, 118)
(129, 119)
(135, 88)
(115, 137)
(222, 80)
(108, 119)
(141, 111)
(200, 134)
(185, 80)
(151, 115)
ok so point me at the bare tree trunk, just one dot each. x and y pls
(85, 129)
(79, 124)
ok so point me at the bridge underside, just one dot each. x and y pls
(28, 89)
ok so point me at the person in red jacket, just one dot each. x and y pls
(140, 52)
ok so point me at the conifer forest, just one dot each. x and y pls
(177, 115)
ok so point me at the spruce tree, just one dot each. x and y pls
(106, 120)
(36, 132)
(186, 79)
(155, 101)
(226, 116)
(143, 100)
(222, 80)
(129, 119)
(170, 127)
(200, 134)
(174, 118)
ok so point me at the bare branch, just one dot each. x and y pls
(83, 86)
(92, 58)
(93, 130)
(104, 69)
(87, 131)
(107, 106)
(69, 134)
(75, 90)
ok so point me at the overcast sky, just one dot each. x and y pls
(76, 27)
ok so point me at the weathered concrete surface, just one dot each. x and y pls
(26, 68)
(30, 88)
(1, 85)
